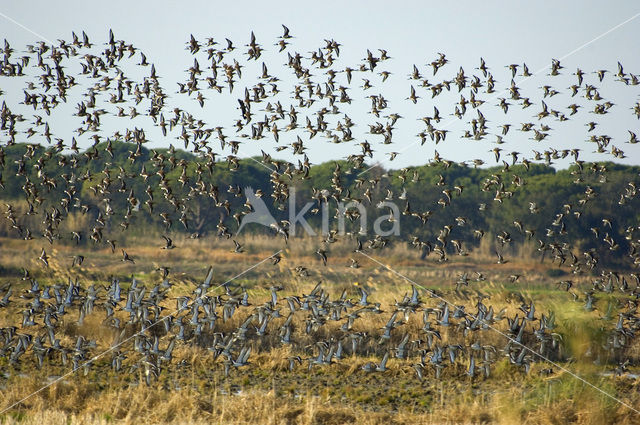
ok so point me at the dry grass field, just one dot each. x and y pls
(193, 387)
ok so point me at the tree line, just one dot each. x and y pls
(589, 206)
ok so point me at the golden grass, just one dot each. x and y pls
(267, 392)
(77, 403)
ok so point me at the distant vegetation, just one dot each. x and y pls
(512, 203)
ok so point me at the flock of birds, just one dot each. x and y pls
(202, 319)
(424, 333)
(232, 326)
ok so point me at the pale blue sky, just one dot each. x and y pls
(411, 32)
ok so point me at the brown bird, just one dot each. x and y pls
(323, 255)
(168, 243)
(44, 258)
(126, 257)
